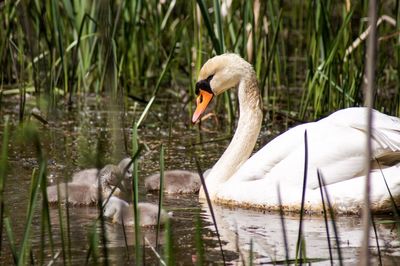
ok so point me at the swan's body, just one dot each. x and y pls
(336, 146)
(85, 185)
(175, 182)
(122, 212)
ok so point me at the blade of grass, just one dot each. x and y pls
(303, 196)
(210, 29)
(271, 53)
(135, 194)
(325, 217)
(103, 232)
(282, 219)
(3, 173)
(160, 194)
(368, 102)
(93, 251)
(218, 21)
(332, 215)
(11, 239)
(157, 87)
(376, 240)
(395, 207)
(32, 133)
(199, 242)
(168, 247)
(160, 260)
(203, 183)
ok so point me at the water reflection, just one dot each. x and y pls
(239, 227)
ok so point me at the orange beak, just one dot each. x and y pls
(202, 102)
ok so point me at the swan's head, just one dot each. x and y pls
(217, 75)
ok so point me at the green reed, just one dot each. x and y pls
(3, 174)
(65, 49)
(135, 193)
(199, 242)
(160, 193)
(38, 180)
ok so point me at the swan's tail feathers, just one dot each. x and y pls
(387, 138)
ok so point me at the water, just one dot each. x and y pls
(70, 144)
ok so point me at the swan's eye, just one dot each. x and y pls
(204, 85)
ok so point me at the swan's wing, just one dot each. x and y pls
(386, 129)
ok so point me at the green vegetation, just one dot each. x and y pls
(65, 49)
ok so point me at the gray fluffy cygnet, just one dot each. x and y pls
(122, 212)
(84, 187)
(175, 182)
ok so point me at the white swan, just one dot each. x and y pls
(336, 146)
(122, 212)
(83, 190)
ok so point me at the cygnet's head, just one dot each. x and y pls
(109, 175)
(123, 164)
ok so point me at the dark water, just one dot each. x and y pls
(70, 142)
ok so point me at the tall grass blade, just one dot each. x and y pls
(157, 87)
(93, 251)
(168, 247)
(11, 239)
(3, 174)
(61, 220)
(32, 133)
(271, 53)
(395, 207)
(282, 219)
(203, 183)
(135, 193)
(332, 215)
(368, 102)
(199, 242)
(303, 196)
(251, 255)
(237, 246)
(377, 240)
(210, 29)
(160, 193)
(218, 21)
(125, 238)
(100, 206)
(160, 259)
(325, 217)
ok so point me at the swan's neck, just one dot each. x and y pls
(244, 139)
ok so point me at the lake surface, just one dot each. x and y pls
(70, 142)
